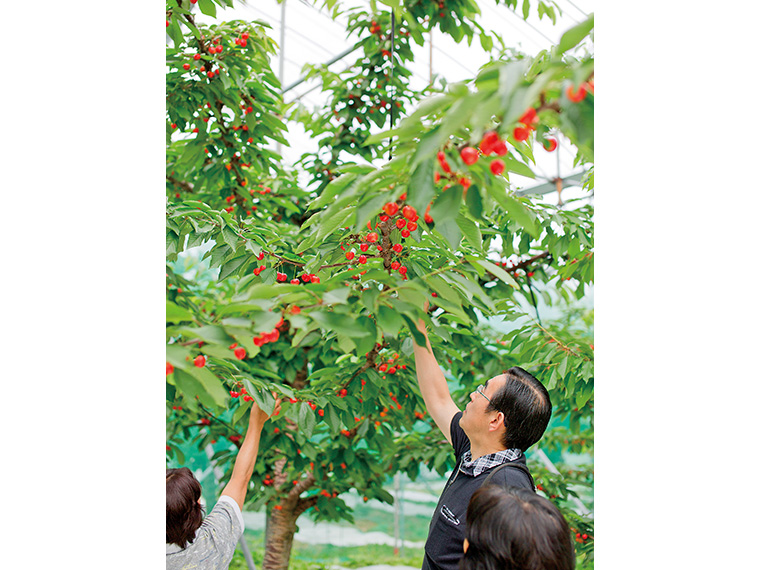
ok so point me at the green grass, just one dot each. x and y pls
(324, 556)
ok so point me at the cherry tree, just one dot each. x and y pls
(311, 290)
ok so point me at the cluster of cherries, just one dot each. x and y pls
(579, 94)
(242, 40)
(305, 278)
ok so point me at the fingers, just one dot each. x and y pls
(277, 404)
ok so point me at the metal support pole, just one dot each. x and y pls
(396, 514)
(278, 147)
(431, 56)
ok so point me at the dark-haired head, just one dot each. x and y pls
(515, 529)
(183, 509)
(526, 406)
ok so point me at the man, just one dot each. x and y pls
(503, 419)
(195, 542)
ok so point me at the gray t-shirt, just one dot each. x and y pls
(214, 542)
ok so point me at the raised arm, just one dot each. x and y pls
(246, 457)
(433, 385)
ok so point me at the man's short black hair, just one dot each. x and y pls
(526, 406)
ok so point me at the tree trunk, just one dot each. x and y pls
(281, 520)
(281, 526)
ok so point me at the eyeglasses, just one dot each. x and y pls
(480, 389)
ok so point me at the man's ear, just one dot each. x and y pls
(496, 422)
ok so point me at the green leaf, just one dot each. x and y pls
(336, 296)
(176, 314)
(330, 225)
(497, 271)
(514, 165)
(332, 190)
(486, 42)
(191, 387)
(207, 7)
(306, 420)
(389, 320)
(575, 35)
(338, 322)
(332, 419)
(421, 190)
(450, 232)
(446, 206)
(265, 400)
(231, 266)
(211, 384)
(471, 232)
(230, 237)
(474, 201)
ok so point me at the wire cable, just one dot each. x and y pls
(576, 7)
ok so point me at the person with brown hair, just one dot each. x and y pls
(515, 529)
(195, 542)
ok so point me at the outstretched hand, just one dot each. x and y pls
(260, 415)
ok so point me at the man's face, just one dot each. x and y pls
(475, 419)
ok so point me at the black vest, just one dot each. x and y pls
(445, 543)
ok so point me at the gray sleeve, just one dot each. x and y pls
(223, 529)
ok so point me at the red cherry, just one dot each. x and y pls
(489, 140)
(428, 219)
(497, 166)
(362, 259)
(469, 155)
(383, 367)
(244, 35)
(437, 177)
(390, 208)
(392, 370)
(197, 56)
(200, 361)
(400, 223)
(314, 279)
(373, 237)
(576, 96)
(500, 148)
(521, 133)
(169, 368)
(529, 117)
(410, 213)
(405, 233)
(240, 353)
(411, 226)
(402, 270)
(193, 1)
(550, 144)
(350, 255)
(442, 161)
(397, 247)
(364, 247)
(384, 218)
(185, 66)
(321, 412)
(295, 282)
(395, 265)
